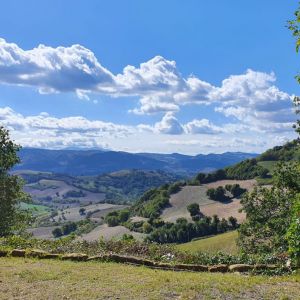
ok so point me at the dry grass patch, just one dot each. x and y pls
(33, 279)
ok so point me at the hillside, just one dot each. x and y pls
(51, 279)
(225, 242)
(167, 207)
(116, 187)
(57, 199)
(96, 162)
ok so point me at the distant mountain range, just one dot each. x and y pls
(95, 162)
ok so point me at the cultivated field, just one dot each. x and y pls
(29, 279)
(97, 210)
(107, 233)
(180, 200)
(56, 189)
(42, 232)
(197, 194)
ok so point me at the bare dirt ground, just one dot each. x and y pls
(246, 184)
(224, 210)
(43, 232)
(197, 194)
(109, 232)
(180, 200)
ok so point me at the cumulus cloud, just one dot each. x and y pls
(46, 131)
(156, 75)
(252, 98)
(60, 69)
(169, 125)
(202, 126)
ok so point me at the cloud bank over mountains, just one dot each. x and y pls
(251, 101)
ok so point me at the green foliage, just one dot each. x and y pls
(293, 234)
(175, 187)
(193, 209)
(11, 218)
(82, 211)
(287, 152)
(269, 212)
(66, 229)
(235, 190)
(116, 218)
(218, 194)
(152, 202)
(203, 178)
(119, 187)
(74, 194)
(57, 232)
(247, 169)
(125, 185)
(131, 247)
(182, 231)
(147, 228)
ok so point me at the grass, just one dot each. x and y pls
(269, 165)
(225, 242)
(50, 279)
(37, 210)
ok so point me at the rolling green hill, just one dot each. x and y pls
(225, 242)
(117, 187)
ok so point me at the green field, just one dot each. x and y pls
(37, 210)
(225, 242)
(50, 279)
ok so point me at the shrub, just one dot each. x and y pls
(57, 232)
(218, 194)
(293, 234)
(193, 209)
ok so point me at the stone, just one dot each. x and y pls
(218, 268)
(240, 268)
(75, 257)
(196, 268)
(18, 253)
(3, 253)
(261, 267)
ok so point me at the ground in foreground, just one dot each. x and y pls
(38, 279)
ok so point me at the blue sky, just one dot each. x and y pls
(215, 76)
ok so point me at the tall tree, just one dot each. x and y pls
(10, 185)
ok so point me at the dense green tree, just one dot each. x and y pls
(193, 209)
(68, 228)
(218, 194)
(82, 211)
(182, 231)
(235, 190)
(269, 212)
(57, 232)
(10, 185)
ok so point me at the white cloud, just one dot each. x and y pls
(203, 126)
(156, 75)
(251, 101)
(169, 125)
(60, 69)
(194, 137)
